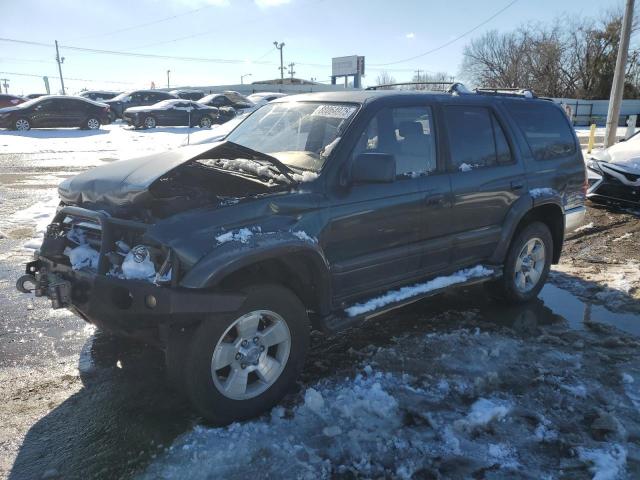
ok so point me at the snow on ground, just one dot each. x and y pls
(600, 131)
(34, 219)
(462, 404)
(116, 141)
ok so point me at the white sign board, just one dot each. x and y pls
(341, 66)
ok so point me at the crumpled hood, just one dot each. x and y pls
(127, 182)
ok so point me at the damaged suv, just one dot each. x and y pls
(317, 211)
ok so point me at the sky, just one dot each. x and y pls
(236, 36)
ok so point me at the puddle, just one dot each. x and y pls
(577, 312)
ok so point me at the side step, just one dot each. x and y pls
(367, 309)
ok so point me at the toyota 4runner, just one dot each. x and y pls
(318, 211)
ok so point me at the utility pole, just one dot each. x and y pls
(291, 72)
(279, 47)
(168, 73)
(242, 78)
(60, 61)
(5, 84)
(617, 89)
(418, 72)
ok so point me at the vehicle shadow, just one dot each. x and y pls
(125, 413)
(55, 133)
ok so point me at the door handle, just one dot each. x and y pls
(517, 186)
(433, 200)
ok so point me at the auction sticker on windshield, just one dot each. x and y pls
(333, 111)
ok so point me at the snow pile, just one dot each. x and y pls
(588, 226)
(465, 167)
(404, 293)
(605, 464)
(349, 427)
(623, 237)
(304, 236)
(243, 235)
(542, 192)
(483, 412)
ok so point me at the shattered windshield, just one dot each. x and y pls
(299, 134)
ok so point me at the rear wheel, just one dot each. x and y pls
(149, 122)
(22, 124)
(206, 122)
(527, 264)
(241, 366)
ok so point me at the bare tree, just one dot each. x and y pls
(558, 60)
(384, 78)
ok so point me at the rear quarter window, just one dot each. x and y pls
(545, 128)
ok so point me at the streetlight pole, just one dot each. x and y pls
(617, 88)
(60, 61)
(279, 47)
(168, 73)
(242, 78)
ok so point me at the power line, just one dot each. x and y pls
(133, 54)
(450, 41)
(146, 24)
(66, 78)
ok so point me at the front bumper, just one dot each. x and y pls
(120, 305)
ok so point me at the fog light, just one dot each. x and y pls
(150, 301)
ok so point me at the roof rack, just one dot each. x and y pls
(507, 92)
(443, 86)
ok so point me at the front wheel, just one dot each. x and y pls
(242, 365)
(527, 264)
(22, 124)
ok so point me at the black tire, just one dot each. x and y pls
(21, 121)
(505, 288)
(208, 400)
(149, 122)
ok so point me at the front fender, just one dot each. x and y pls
(234, 255)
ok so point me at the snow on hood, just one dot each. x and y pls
(625, 154)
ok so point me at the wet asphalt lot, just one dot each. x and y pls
(75, 403)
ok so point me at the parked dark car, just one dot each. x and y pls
(10, 100)
(318, 211)
(55, 111)
(31, 96)
(99, 95)
(232, 100)
(188, 94)
(136, 98)
(172, 112)
(614, 173)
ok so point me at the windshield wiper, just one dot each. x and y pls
(255, 155)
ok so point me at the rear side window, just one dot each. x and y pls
(476, 139)
(545, 128)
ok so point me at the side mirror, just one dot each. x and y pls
(374, 168)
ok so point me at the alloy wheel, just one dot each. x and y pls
(93, 124)
(22, 124)
(529, 265)
(251, 355)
